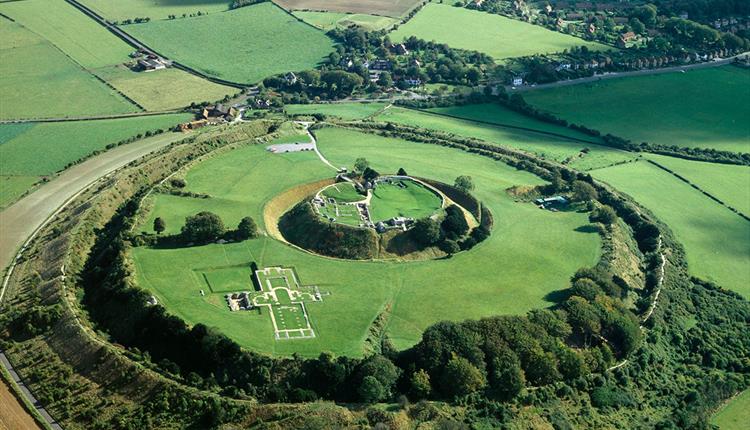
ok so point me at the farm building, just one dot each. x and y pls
(551, 202)
(151, 64)
(219, 111)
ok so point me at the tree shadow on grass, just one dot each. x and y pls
(588, 228)
(557, 296)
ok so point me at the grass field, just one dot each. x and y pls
(413, 201)
(78, 36)
(32, 66)
(393, 8)
(523, 250)
(734, 415)
(556, 148)
(494, 35)
(343, 192)
(31, 151)
(717, 241)
(330, 20)
(341, 110)
(243, 45)
(163, 89)
(155, 9)
(729, 183)
(698, 108)
(228, 279)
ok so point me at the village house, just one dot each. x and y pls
(626, 38)
(399, 48)
(290, 78)
(379, 64)
(592, 28)
(517, 81)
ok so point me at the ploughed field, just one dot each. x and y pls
(494, 35)
(699, 108)
(518, 268)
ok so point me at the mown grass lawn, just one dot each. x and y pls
(61, 88)
(698, 108)
(341, 110)
(524, 251)
(343, 192)
(121, 10)
(716, 240)
(729, 183)
(734, 415)
(556, 148)
(494, 35)
(243, 45)
(414, 201)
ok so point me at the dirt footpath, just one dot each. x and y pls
(13, 415)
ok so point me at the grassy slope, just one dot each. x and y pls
(48, 147)
(524, 249)
(495, 35)
(163, 89)
(717, 241)
(546, 146)
(736, 412)
(243, 45)
(32, 66)
(330, 20)
(343, 110)
(728, 183)
(348, 111)
(120, 10)
(698, 108)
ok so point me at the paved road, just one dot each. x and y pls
(613, 75)
(17, 380)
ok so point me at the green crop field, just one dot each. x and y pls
(494, 35)
(330, 20)
(729, 183)
(342, 110)
(734, 415)
(394, 8)
(413, 201)
(522, 249)
(31, 151)
(243, 45)
(552, 147)
(697, 108)
(163, 89)
(717, 241)
(121, 10)
(86, 42)
(32, 65)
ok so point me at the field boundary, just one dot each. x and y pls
(696, 187)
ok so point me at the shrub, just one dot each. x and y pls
(203, 227)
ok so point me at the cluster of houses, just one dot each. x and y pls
(211, 115)
(377, 66)
(399, 222)
(732, 24)
(147, 62)
(239, 301)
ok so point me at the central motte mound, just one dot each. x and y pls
(394, 216)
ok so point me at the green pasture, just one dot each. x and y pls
(120, 10)
(343, 192)
(341, 213)
(545, 146)
(329, 20)
(163, 89)
(413, 201)
(494, 35)
(231, 279)
(729, 183)
(243, 45)
(78, 36)
(12, 187)
(61, 88)
(734, 414)
(716, 240)
(698, 108)
(524, 249)
(47, 148)
(342, 110)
